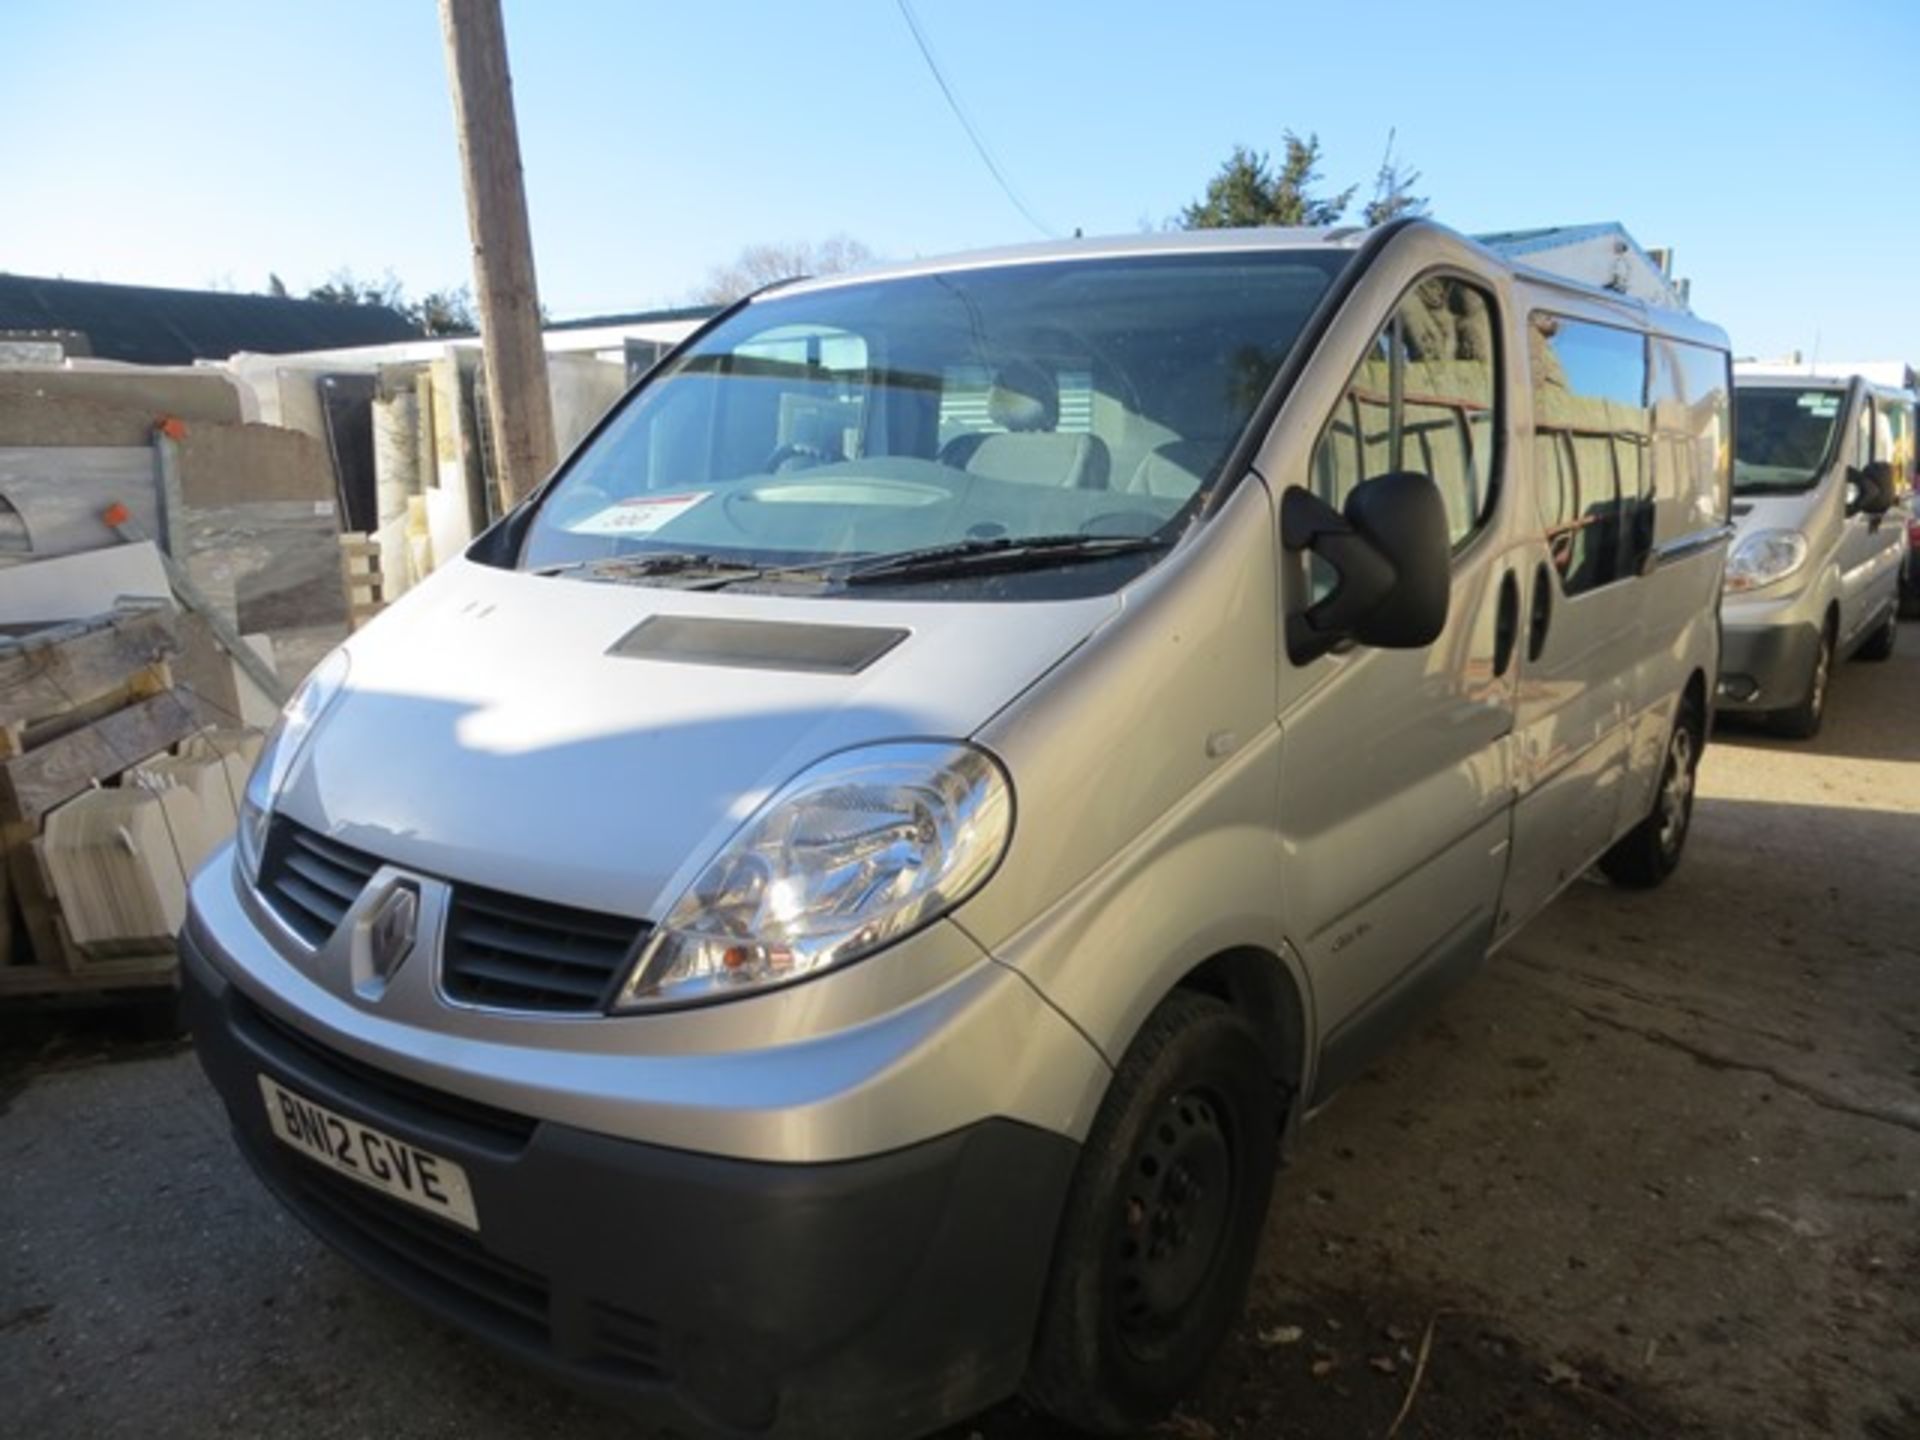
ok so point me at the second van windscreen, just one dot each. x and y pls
(1783, 437)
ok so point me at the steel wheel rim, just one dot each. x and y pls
(1676, 791)
(1175, 1213)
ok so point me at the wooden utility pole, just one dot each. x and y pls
(521, 410)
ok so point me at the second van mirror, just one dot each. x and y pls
(1870, 489)
(1392, 556)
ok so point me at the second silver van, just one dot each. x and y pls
(827, 915)
(1814, 573)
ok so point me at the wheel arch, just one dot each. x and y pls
(1262, 987)
(1697, 694)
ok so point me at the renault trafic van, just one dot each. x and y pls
(827, 915)
(1814, 573)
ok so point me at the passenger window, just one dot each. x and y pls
(1863, 433)
(1589, 412)
(1425, 398)
(1898, 420)
(1690, 401)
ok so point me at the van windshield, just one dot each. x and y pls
(1782, 438)
(1084, 402)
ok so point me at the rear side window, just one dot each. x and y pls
(1690, 398)
(1592, 480)
(1425, 398)
(1863, 433)
(1894, 443)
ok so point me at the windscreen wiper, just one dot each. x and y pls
(659, 562)
(1000, 553)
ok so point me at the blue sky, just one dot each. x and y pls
(214, 140)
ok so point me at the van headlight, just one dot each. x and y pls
(1765, 557)
(284, 742)
(855, 852)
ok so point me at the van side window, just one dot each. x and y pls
(1592, 479)
(1690, 399)
(1425, 398)
(1863, 433)
(1897, 421)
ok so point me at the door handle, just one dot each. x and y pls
(1542, 614)
(1506, 624)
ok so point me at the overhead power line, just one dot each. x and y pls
(960, 114)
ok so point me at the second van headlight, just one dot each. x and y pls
(855, 852)
(1765, 557)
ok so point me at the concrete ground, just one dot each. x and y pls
(1656, 1171)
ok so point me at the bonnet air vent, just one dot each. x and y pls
(758, 644)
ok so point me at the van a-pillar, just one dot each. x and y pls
(522, 409)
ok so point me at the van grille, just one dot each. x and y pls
(512, 953)
(310, 881)
(441, 1113)
(447, 1266)
(515, 1298)
(501, 951)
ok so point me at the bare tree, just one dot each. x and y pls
(1393, 190)
(760, 265)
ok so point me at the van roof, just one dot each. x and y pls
(1890, 376)
(1162, 242)
(1679, 323)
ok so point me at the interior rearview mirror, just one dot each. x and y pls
(1870, 488)
(1392, 555)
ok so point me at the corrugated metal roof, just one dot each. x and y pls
(634, 317)
(152, 326)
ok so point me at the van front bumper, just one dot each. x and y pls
(882, 1296)
(1765, 667)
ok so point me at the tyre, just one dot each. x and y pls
(1802, 721)
(1162, 1221)
(1880, 645)
(1650, 852)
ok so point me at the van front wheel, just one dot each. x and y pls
(1153, 1258)
(1802, 721)
(1648, 853)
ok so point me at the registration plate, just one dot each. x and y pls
(406, 1172)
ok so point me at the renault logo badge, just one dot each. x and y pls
(390, 933)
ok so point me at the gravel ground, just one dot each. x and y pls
(1656, 1171)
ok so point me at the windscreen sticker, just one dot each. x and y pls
(640, 515)
(1822, 407)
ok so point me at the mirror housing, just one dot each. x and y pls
(1870, 488)
(1393, 554)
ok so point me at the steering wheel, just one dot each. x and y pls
(797, 450)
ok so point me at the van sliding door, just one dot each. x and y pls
(1585, 621)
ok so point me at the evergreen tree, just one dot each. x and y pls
(1250, 191)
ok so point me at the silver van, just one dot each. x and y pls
(828, 914)
(1814, 573)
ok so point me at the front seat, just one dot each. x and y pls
(1026, 401)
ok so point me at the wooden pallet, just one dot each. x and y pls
(79, 704)
(360, 570)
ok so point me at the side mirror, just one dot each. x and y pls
(1393, 555)
(1870, 489)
